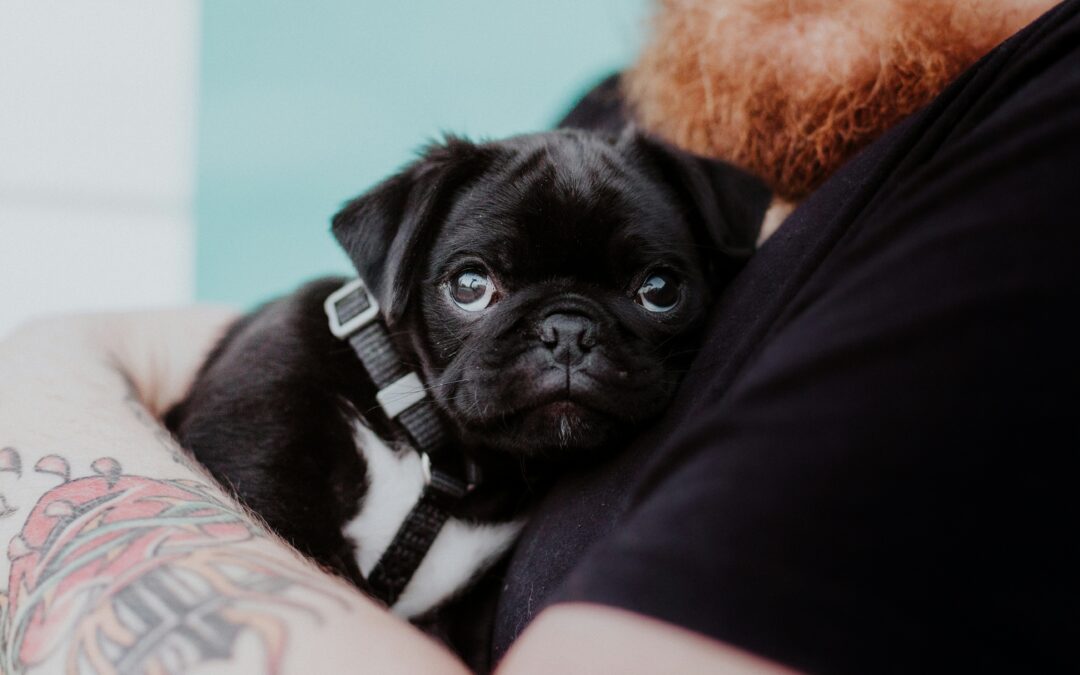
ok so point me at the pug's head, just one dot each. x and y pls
(548, 287)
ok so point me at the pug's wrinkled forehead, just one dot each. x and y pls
(545, 199)
(571, 209)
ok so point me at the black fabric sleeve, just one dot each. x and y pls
(890, 485)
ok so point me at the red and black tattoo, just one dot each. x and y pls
(115, 573)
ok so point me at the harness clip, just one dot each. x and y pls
(350, 308)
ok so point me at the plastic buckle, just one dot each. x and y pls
(401, 394)
(352, 298)
(441, 482)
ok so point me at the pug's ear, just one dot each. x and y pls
(387, 230)
(725, 204)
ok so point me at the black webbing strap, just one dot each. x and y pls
(420, 420)
(372, 344)
(354, 316)
(423, 425)
(414, 538)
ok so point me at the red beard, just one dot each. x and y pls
(790, 89)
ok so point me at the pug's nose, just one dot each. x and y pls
(568, 336)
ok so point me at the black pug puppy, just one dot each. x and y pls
(546, 290)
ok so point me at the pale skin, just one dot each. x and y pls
(176, 577)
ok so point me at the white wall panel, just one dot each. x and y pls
(97, 113)
(84, 260)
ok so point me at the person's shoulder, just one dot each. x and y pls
(1030, 82)
(993, 161)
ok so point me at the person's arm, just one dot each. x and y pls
(591, 638)
(122, 556)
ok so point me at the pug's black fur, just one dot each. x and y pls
(567, 360)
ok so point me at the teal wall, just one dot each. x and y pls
(305, 104)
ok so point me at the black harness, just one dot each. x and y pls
(354, 317)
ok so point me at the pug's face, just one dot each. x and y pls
(549, 286)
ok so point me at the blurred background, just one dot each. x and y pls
(158, 153)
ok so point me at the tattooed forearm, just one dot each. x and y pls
(115, 573)
(134, 402)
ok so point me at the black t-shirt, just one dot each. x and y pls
(870, 466)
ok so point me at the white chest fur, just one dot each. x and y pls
(459, 552)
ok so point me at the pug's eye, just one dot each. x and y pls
(659, 292)
(472, 290)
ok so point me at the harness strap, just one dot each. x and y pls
(354, 317)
